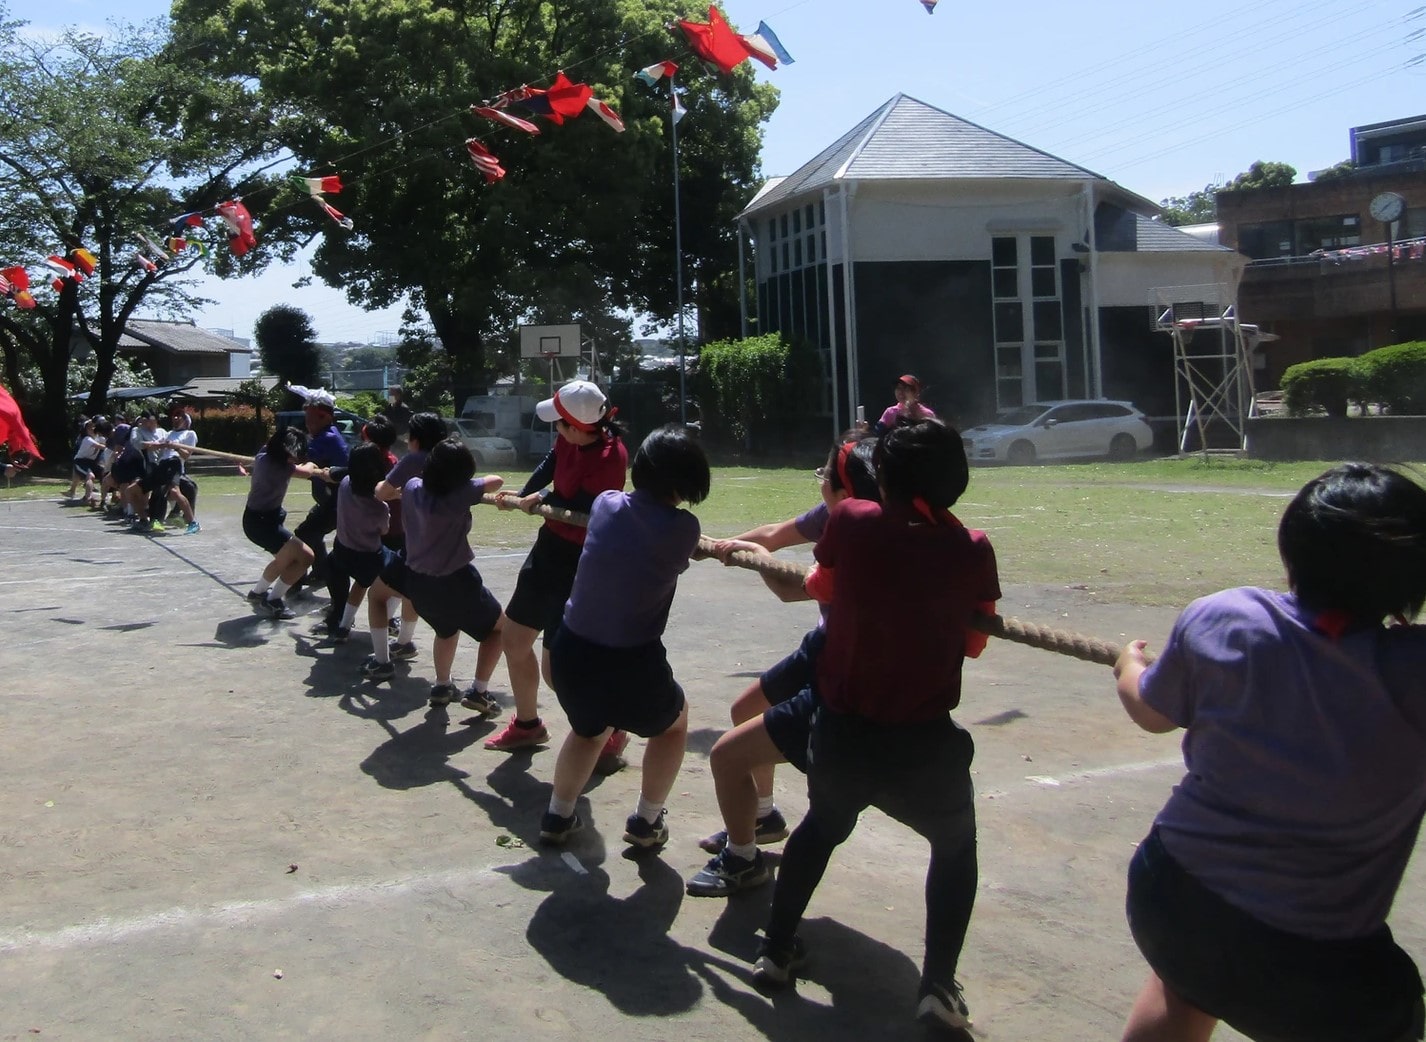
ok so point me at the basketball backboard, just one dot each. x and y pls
(549, 341)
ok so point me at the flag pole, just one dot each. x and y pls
(678, 259)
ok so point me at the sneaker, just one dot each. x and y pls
(772, 828)
(639, 833)
(777, 964)
(339, 634)
(481, 701)
(516, 737)
(193, 528)
(323, 628)
(403, 652)
(156, 526)
(611, 759)
(727, 874)
(254, 598)
(443, 695)
(377, 671)
(276, 609)
(555, 830)
(943, 1007)
(393, 625)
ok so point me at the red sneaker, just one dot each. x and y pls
(516, 737)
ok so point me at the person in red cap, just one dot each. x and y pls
(908, 407)
(588, 458)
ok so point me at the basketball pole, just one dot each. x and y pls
(678, 259)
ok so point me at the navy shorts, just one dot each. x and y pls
(1271, 985)
(361, 566)
(544, 583)
(264, 527)
(786, 679)
(130, 466)
(88, 466)
(454, 603)
(789, 725)
(599, 687)
(394, 572)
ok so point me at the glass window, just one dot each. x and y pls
(821, 213)
(772, 229)
(797, 253)
(809, 217)
(1047, 320)
(1002, 252)
(784, 226)
(1007, 364)
(1009, 321)
(786, 254)
(1043, 282)
(811, 249)
(1328, 233)
(796, 222)
(1006, 282)
(1042, 250)
(1269, 239)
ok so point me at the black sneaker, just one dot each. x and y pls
(727, 874)
(403, 652)
(444, 695)
(772, 828)
(378, 671)
(323, 628)
(480, 701)
(339, 634)
(777, 964)
(275, 609)
(943, 1006)
(639, 833)
(254, 598)
(555, 830)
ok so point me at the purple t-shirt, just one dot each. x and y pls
(896, 412)
(813, 523)
(269, 479)
(636, 549)
(361, 520)
(409, 466)
(437, 526)
(1306, 759)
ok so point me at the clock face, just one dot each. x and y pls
(1387, 207)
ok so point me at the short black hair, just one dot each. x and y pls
(287, 444)
(923, 460)
(366, 466)
(380, 431)
(1354, 540)
(102, 426)
(859, 466)
(428, 429)
(671, 465)
(450, 466)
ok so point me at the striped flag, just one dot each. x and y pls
(678, 110)
(331, 185)
(766, 47)
(651, 75)
(501, 116)
(485, 161)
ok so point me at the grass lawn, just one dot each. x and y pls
(1155, 532)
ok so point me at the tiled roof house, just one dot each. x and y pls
(179, 352)
(996, 272)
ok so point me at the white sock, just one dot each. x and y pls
(279, 589)
(561, 808)
(407, 632)
(261, 586)
(746, 851)
(379, 647)
(480, 686)
(393, 608)
(348, 616)
(766, 805)
(649, 811)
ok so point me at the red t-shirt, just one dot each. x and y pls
(904, 594)
(581, 473)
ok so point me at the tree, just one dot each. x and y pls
(100, 138)
(1262, 175)
(580, 229)
(1199, 207)
(287, 345)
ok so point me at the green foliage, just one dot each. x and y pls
(236, 428)
(1394, 377)
(287, 344)
(1193, 208)
(752, 391)
(252, 394)
(1324, 383)
(1346, 168)
(364, 403)
(1262, 175)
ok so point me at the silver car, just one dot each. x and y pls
(489, 450)
(1060, 430)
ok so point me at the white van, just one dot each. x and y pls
(513, 418)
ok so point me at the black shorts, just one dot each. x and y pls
(544, 583)
(130, 466)
(789, 725)
(88, 466)
(454, 603)
(792, 674)
(1271, 985)
(161, 475)
(394, 572)
(321, 521)
(599, 687)
(264, 527)
(361, 566)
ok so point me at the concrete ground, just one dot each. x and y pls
(213, 829)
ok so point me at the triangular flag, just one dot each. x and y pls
(485, 161)
(929, 5)
(607, 114)
(651, 75)
(766, 47)
(715, 42)
(678, 110)
(500, 116)
(13, 429)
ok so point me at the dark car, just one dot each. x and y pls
(349, 423)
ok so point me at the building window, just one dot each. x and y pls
(1266, 240)
(1029, 325)
(1328, 233)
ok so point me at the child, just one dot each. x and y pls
(356, 557)
(87, 455)
(263, 516)
(587, 458)
(908, 407)
(1260, 896)
(607, 657)
(773, 717)
(887, 678)
(440, 579)
(379, 432)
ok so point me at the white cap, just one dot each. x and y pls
(318, 396)
(579, 403)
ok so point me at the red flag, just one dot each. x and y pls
(500, 116)
(13, 429)
(716, 42)
(485, 161)
(235, 215)
(607, 114)
(19, 291)
(568, 99)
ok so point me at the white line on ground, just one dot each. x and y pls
(1103, 772)
(107, 577)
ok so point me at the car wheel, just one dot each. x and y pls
(1123, 447)
(1021, 453)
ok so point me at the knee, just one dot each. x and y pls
(752, 702)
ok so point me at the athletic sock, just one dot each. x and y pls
(379, 648)
(746, 851)
(393, 607)
(279, 590)
(766, 805)
(649, 811)
(348, 616)
(528, 725)
(561, 808)
(408, 631)
(261, 587)
(480, 686)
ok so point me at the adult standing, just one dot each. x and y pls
(326, 448)
(908, 408)
(397, 411)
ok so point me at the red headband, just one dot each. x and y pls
(842, 454)
(579, 425)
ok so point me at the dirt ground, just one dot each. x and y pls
(213, 829)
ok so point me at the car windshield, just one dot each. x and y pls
(471, 429)
(1021, 417)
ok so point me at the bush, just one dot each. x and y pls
(1324, 383)
(232, 429)
(752, 391)
(364, 403)
(1394, 377)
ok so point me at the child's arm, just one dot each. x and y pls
(1127, 672)
(775, 536)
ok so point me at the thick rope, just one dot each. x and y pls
(1061, 642)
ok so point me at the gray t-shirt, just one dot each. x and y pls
(361, 520)
(437, 527)
(1306, 759)
(269, 480)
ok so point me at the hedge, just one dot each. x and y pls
(1324, 383)
(1393, 378)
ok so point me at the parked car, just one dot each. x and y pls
(489, 450)
(349, 423)
(1060, 430)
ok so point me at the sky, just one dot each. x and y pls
(1162, 98)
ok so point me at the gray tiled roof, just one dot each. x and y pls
(1156, 237)
(179, 338)
(907, 139)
